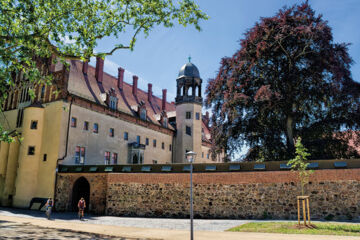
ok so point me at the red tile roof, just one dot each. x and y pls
(86, 86)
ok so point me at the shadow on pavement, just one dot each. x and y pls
(18, 212)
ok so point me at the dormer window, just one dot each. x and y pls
(165, 122)
(143, 114)
(111, 99)
(142, 111)
(113, 103)
(164, 119)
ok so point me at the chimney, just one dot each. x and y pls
(163, 105)
(99, 72)
(150, 92)
(121, 78)
(135, 83)
(85, 67)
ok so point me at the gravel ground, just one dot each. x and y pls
(162, 223)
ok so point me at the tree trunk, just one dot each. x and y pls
(290, 133)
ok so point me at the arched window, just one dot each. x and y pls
(189, 91)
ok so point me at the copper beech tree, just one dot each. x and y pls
(289, 79)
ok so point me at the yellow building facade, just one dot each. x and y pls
(96, 119)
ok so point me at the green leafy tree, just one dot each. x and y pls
(32, 32)
(299, 164)
(288, 79)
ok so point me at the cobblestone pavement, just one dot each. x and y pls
(24, 231)
(162, 223)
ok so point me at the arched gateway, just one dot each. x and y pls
(81, 189)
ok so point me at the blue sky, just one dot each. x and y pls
(158, 58)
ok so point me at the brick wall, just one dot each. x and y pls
(232, 195)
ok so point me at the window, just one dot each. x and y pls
(73, 122)
(114, 158)
(207, 156)
(42, 92)
(138, 139)
(107, 158)
(162, 145)
(154, 143)
(82, 155)
(86, 126)
(44, 157)
(154, 161)
(188, 115)
(202, 154)
(188, 130)
(143, 114)
(111, 132)
(31, 150)
(170, 147)
(197, 116)
(147, 142)
(33, 124)
(25, 95)
(126, 136)
(113, 103)
(77, 155)
(165, 122)
(96, 128)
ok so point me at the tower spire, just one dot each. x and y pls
(189, 58)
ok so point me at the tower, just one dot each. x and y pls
(188, 111)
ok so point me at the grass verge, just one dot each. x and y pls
(292, 228)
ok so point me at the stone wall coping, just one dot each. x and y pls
(204, 167)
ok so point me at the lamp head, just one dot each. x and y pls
(190, 156)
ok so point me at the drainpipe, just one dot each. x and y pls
(173, 148)
(66, 150)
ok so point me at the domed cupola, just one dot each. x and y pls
(189, 70)
(188, 85)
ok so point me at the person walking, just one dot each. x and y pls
(49, 205)
(81, 206)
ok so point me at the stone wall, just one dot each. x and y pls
(333, 194)
(98, 189)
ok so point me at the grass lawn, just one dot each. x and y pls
(291, 228)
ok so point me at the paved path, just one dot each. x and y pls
(71, 228)
(164, 223)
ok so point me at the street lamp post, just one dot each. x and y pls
(190, 156)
